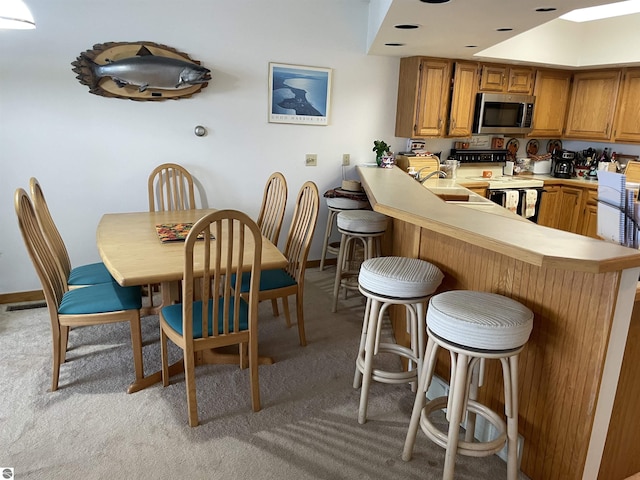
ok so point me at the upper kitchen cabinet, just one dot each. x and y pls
(627, 127)
(552, 99)
(463, 99)
(423, 97)
(592, 105)
(506, 79)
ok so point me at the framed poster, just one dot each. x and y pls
(299, 94)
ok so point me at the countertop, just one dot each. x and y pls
(394, 193)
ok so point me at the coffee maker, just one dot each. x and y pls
(562, 163)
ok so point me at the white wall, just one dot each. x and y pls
(92, 155)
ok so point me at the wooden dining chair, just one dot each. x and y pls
(213, 312)
(80, 276)
(90, 305)
(281, 283)
(274, 204)
(170, 187)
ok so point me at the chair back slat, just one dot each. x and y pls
(170, 187)
(212, 263)
(301, 231)
(48, 226)
(54, 284)
(274, 203)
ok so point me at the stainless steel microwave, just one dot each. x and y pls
(503, 113)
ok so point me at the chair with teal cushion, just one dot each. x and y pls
(208, 318)
(80, 276)
(282, 283)
(91, 305)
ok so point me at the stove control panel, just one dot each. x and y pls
(479, 156)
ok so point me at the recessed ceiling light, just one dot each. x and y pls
(546, 9)
(603, 11)
(407, 26)
(503, 29)
(394, 44)
(434, 1)
(470, 46)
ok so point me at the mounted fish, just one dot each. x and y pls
(140, 71)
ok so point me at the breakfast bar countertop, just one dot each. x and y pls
(394, 193)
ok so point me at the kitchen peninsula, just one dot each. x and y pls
(582, 292)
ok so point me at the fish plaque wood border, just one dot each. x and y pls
(140, 71)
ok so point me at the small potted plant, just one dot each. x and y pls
(382, 150)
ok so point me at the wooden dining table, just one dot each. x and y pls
(131, 250)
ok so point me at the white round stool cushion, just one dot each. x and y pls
(399, 277)
(480, 320)
(362, 221)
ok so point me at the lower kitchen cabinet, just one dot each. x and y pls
(548, 213)
(570, 208)
(589, 225)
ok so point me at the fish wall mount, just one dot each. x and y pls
(141, 71)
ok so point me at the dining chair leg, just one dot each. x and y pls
(300, 318)
(136, 345)
(55, 374)
(190, 382)
(64, 343)
(253, 374)
(285, 308)
(164, 358)
(274, 307)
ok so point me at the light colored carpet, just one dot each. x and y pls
(307, 428)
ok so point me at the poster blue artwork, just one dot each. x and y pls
(299, 94)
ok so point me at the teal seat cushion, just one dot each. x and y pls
(102, 298)
(269, 280)
(173, 316)
(91, 274)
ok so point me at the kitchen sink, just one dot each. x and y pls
(460, 196)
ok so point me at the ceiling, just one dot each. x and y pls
(537, 38)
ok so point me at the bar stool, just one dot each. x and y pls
(473, 326)
(364, 226)
(337, 203)
(387, 281)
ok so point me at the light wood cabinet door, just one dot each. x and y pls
(569, 209)
(552, 99)
(592, 105)
(627, 128)
(520, 80)
(463, 99)
(548, 210)
(589, 218)
(493, 78)
(423, 97)
(506, 79)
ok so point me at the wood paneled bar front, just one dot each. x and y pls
(582, 292)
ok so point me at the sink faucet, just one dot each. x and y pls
(440, 173)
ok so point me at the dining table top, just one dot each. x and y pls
(132, 251)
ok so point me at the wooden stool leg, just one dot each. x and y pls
(330, 219)
(373, 319)
(339, 266)
(423, 386)
(455, 416)
(511, 410)
(357, 378)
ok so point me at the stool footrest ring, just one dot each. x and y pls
(385, 376)
(472, 449)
